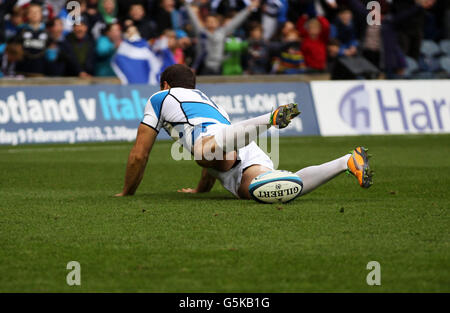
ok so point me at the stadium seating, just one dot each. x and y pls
(445, 46)
(429, 49)
(411, 67)
(445, 64)
(429, 61)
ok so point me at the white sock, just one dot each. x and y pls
(315, 176)
(238, 135)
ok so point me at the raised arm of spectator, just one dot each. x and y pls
(198, 27)
(325, 32)
(301, 25)
(240, 18)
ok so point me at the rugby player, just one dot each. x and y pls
(203, 127)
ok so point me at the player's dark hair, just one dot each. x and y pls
(178, 75)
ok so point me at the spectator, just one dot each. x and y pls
(98, 20)
(93, 16)
(92, 7)
(333, 53)
(212, 37)
(392, 55)
(168, 16)
(108, 10)
(146, 28)
(68, 17)
(185, 44)
(174, 46)
(60, 61)
(410, 31)
(48, 12)
(258, 57)
(106, 46)
(291, 60)
(315, 33)
(12, 54)
(327, 8)
(343, 30)
(371, 43)
(143, 67)
(434, 27)
(234, 48)
(80, 44)
(55, 29)
(34, 40)
(285, 29)
(163, 22)
(15, 22)
(270, 11)
(5, 8)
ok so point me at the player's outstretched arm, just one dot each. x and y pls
(137, 160)
(204, 185)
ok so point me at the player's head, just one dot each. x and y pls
(177, 75)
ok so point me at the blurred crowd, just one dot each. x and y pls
(217, 37)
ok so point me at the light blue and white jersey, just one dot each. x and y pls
(183, 113)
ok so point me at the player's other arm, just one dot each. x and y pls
(137, 160)
(204, 185)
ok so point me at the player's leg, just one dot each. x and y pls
(356, 163)
(312, 176)
(238, 135)
(317, 175)
(247, 176)
(217, 151)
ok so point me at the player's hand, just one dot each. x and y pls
(187, 190)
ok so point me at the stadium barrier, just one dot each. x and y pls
(70, 114)
(111, 112)
(382, 107)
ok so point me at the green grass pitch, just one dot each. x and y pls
(56, 206)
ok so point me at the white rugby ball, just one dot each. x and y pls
(275, 187)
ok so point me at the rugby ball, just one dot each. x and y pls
(275, 187)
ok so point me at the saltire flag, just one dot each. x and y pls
(136, 63)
